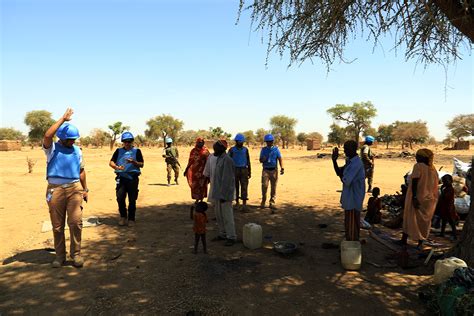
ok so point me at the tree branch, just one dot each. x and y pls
(462, 18)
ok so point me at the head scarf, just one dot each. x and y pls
(223, 142)
(426, 153)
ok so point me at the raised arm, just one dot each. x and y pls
(48, 136)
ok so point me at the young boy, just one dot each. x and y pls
(240, 155)
(445, 206)
(353, 188)
(374, 205)
(199, 227)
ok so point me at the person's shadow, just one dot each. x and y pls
(36, 256)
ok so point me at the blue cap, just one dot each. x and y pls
(127, 136)
(268, 138)
(239, 138)
(369, 139)
(67, 131)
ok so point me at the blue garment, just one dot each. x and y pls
(353, 184)
(272, 154)
(64, 164)
(131, 171)
(239, 155)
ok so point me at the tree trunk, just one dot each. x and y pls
(387, 144)
(112, 142)
(464, 249)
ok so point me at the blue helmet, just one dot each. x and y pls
(67, 131)
(127, 136)
(268, 138)
(369, 139)
(239, 138)
(168, 140)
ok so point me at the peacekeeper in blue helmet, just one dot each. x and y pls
(171, 155)
(368, 160)
(269, 157)
(67, 187)
(240, 154)
(127, 162)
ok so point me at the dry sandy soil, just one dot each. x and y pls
(149, 269)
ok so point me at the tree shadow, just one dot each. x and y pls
(150, 269)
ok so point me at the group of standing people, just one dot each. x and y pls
(227, 172)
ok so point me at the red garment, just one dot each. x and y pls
(200, 220)
(445, 205)
(196, 180)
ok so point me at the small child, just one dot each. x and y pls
(445, 206)
(374, 205)
(199, 228)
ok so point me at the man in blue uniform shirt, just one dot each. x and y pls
(67, 188)
(269, 157)
(126, 162)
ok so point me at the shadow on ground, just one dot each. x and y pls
(149, 269)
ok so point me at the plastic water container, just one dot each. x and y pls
(351, 255)
(252, 236)
(444, 268)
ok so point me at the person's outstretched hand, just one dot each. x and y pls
(335, 153)
(67, 116)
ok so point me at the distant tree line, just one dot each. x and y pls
(349, 122)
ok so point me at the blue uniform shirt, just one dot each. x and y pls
(272, 154)
(239, 155)
(353, 184)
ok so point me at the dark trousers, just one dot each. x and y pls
(127, 187)
(451, 222)
(352, 224)
(241, 183)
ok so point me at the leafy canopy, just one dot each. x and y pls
(429, 31)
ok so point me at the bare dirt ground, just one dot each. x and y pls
(149, 269)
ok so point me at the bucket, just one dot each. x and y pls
(351, 255)
(444, 268)
(252, 236)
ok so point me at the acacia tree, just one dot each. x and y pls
(411, 132)
(385, 134)
(260, 134)
(337, 135)
(39, 121)
(429, 31)
(163, 126)
(357, 116)
(461, 125)
(218, 132)
(99, 137)
(249, 137)
(116, 129)
(283, 127)
(301, 138)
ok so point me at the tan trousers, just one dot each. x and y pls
(272, 177)
(169, 169)
(66, 200)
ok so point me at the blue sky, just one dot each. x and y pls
(124, 60)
